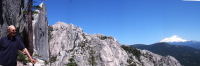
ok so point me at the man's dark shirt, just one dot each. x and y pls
(9, 50)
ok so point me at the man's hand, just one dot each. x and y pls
(29, 56)
(33, 61)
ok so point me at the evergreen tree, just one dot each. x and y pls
(30, 29)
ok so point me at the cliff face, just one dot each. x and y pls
(11, 13)
(40, 32)
(70, 45)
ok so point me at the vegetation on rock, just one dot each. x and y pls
(132, 50)
(22, 58)
(71, 63)
(53, 59)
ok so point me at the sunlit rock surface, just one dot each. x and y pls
(69, 44)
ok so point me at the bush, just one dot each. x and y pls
(22, 58)
(132, 50)
(92, 59)
(50, 29)
(71, 62)
(35, 12)
(37, 7)
(36, 55)
(103, 38)
(53, 59)
(46, 62)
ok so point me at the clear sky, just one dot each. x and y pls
(129, 21)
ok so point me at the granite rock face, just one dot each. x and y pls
(40, 32)
(11, 13)
(150, 59)
(70, 45)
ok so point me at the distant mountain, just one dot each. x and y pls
(193, 44)
(176, 40)
(187, 56)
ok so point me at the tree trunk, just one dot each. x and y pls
(30, 29)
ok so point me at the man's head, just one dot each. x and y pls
(11, 31)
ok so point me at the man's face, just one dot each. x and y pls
(12, 31)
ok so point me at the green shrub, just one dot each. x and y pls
(132, 50)
(53, 59)
(50, 29)
(37, 7)
(71, 62)
(103, 37)
(83, 35)
(35, 12)
(36, 55)
(92, 59)
(22, 58)
(46, 62)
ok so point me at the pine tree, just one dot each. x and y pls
(30, 29)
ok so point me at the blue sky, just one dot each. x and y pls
(129, 21)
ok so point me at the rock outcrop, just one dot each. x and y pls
(40, 32)
(150, 59)
(11, 13)
(70, 45)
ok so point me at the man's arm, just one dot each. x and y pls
(29, 56)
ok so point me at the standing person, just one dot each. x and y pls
(9, 46)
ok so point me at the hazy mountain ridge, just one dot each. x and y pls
(193, 44)
(186, 55)
(176, 40)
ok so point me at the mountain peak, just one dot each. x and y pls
(174, 38)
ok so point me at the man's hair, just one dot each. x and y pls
(10, 27)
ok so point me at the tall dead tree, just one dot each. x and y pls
(30, 29)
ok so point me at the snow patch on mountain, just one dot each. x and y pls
(174, 38)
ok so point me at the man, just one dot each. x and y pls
(9, 46)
